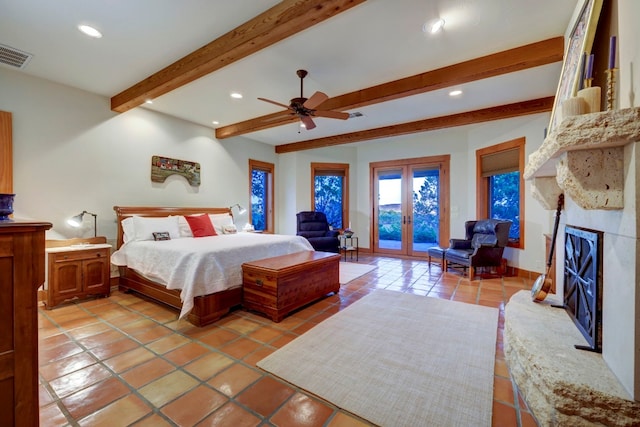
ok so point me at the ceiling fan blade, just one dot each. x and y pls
(274, 102)
(315, 100)
(308, 123)
(331, 114)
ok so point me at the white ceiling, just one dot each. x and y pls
(372, 43)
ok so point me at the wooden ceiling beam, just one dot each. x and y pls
(281, 21)
(508, 61)
(540, 105)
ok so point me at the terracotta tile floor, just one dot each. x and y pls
(127, 361)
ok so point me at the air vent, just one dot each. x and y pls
(356, 114)
(14, 57)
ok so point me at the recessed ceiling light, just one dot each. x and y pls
(456, 92)
(148, 101)
(90, 31)
(433, 26)
(215, 122)
(236, 95)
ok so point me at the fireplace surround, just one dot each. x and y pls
(593, 160)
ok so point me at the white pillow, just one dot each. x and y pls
(128, 230)
(183, 226)
(219, 221)
(146, 226)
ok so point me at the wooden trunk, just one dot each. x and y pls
(277, 286)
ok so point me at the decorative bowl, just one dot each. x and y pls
(348, 233)
(6, 206)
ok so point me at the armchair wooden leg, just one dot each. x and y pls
(472, 272)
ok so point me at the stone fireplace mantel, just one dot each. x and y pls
(594, 161)
(583, 157)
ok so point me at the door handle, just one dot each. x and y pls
(409, 219)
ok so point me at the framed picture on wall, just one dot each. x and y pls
(579, 37)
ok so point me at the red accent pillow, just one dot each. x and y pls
(200, 225)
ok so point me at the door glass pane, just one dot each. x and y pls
(328, 198)
(259, 198)
(390, 210)
(426, 208)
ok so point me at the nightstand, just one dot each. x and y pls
(76, 271)
(348, 244)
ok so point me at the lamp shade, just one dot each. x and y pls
(241, 210)
(76, 221)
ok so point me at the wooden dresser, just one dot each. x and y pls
(22, 271)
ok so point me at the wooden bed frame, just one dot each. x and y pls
(207, 308)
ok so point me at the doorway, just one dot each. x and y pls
(410, 205)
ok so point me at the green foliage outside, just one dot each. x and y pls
(505, 200)
(258, 198)
(426, 216)
(328, 199)
(504, 197)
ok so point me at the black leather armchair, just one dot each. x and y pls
(482, 246)
(315, 228)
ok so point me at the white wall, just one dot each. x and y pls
(537, 221)
(71, 153)
(629, 53)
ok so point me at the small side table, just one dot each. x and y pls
(348, 244)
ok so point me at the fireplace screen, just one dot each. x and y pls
(583, 283)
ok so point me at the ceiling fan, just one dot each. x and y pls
(306, 108)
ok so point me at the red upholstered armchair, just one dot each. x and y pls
(482, 246)
(315, 228)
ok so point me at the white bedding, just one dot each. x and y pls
(203, 265)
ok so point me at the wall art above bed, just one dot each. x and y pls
(162, 167)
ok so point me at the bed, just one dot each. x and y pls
(212, 284)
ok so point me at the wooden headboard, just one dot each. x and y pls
(123, 212)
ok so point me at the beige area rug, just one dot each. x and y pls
(399, 359)
(350, 271)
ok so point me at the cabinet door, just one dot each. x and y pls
(66, 278)
(96, 275)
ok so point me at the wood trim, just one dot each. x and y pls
(344, 167)
(271, 168)
(75, 241)
(508, 61)
(541, 105)
(277, 23)
(6, 152)
(443, 164)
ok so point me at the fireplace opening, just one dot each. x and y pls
(583, 283)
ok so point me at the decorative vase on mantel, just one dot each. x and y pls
(6, 206)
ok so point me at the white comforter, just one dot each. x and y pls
(203, 265)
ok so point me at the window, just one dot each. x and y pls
(501, 187)
(261, 193)
(330, 190)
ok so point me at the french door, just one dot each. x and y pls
(410, 211)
